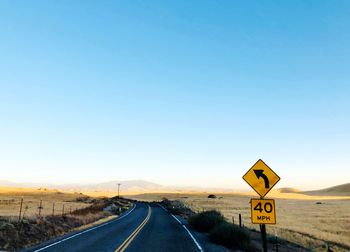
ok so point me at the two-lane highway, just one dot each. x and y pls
(143, 228)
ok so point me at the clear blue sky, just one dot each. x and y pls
(175, 92)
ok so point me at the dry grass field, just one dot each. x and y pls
(10, 200)
(311, 221)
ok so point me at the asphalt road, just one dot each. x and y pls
(143, 228)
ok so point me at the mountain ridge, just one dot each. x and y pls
(338, 190)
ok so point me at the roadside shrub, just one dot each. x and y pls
(206, 221)
(6, 226)
(177, 207)
(231, 236)
(176, 210)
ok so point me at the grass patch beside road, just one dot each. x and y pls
(231, 236)
(206, 221)
(220, 231)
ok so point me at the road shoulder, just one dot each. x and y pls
(203, 239)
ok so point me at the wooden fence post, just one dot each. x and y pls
(40, 207)
(329, 248)
(53, 209)
(240, 220)
(20, 210)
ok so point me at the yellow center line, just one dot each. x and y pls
(131, 237)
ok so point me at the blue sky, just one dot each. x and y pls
(175, 92)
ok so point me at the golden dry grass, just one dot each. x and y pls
(10, 199)
(299, 218)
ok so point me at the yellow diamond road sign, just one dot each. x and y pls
(261, 178)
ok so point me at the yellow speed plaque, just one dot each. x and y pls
(263, 211)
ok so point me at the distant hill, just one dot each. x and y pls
(339, 190)
(127, 186)
(136, 187)
(111, 187)
(288, 190)
(8, 183)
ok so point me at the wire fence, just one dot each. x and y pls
(30, 209)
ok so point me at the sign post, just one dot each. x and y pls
(263, 211)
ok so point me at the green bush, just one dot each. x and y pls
(7, 226)
(206, 221)
(231, 236)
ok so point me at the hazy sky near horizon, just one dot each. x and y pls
(175, 92)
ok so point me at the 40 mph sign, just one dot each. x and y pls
(263, 211)
(261, 178)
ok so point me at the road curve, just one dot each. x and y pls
(144, 228)
(162, 233)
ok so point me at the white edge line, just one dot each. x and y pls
(188, 231)
(85, 231)
(177, 219)
(195, 241)
(162, 207)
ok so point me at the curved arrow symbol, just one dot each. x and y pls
(260, 174)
